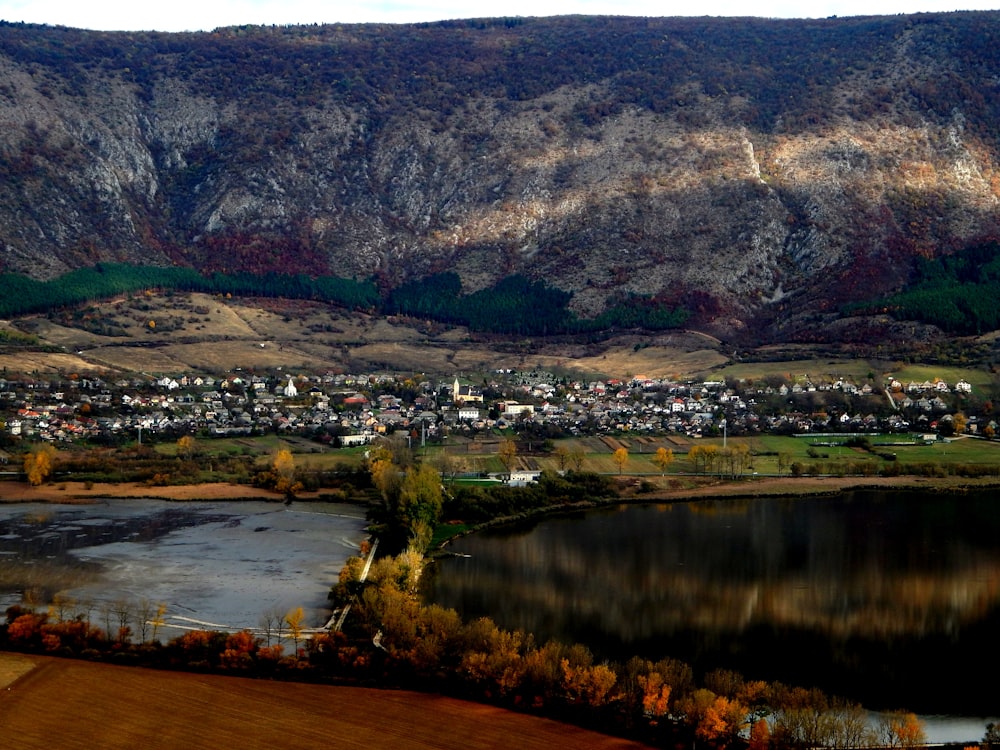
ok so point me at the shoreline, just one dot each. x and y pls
(823, 485)
(81, 493)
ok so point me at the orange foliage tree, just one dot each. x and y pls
(38, 464)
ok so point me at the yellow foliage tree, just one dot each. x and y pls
(621, 458)
(185, 446)
(283, 467)
(295, 619)
(507, 453)
(386, 478)
(663, 458)
(38, 464)
(589, 684)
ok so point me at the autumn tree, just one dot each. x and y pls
(239, 651)
(663, 458)
(507, 453)
(562, 455)
(158, 620)
(714, 719)
(655, 695)
(415, 513)
(283, 467)
(900, 729)
(295, 620)
(185, 446)
(703, 457)
(586, 683)
(39, 464)
(620, 458)
(733, 459)
(577, 458)
(493, 658)
(385, 477)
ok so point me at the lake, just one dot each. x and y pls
(223, 565)
(888, 598)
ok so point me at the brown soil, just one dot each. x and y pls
(77, 492)
(73, 704)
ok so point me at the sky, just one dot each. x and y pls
(204, 15)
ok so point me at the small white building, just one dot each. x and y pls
(513, 410)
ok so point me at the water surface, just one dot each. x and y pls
(224, 564)
(892, 599)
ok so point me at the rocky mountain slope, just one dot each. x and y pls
(759, 172)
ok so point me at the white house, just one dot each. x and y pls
(512, 409)
(470, 413)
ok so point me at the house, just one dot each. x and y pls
(512, 410)
(468, 413)
(348, 441)
(465, 393)
(521, 478)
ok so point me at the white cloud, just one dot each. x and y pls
(181, 15)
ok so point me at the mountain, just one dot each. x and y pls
(760, 173)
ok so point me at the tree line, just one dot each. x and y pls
(959, 293)
(23, 295)
(519, 305)
(514, 305)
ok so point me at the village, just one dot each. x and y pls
(342, 410)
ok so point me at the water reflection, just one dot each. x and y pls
(867, 594)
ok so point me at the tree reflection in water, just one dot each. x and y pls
(888, 598)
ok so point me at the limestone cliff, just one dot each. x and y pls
(760, 172)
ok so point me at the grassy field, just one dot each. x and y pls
(74, 704)
(597, 452)
(831, 452)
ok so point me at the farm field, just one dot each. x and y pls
(75, 704)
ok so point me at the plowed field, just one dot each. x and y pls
(74, 704)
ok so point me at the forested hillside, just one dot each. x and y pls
(750, 176)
